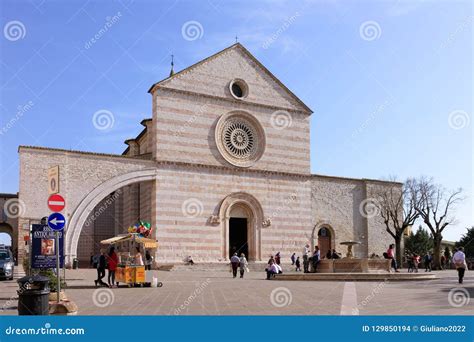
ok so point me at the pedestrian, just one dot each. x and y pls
(443, 262)
(427, 261)
(298, 264)
(316, 258)
(101, 266)
(459, 260)
(138, 259)
(416, 262)
(329, 254)
(189, 260)
(271, 260)
(271, 270)
(391, 255)
(243, 264)
(293, 259)
(305, 258)
(410, 264)
(277, 258)
(112, 262)
(234, 262)
(148, 260)
(335, 255)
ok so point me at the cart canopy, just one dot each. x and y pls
(148, 243)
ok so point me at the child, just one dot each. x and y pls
(298, 264)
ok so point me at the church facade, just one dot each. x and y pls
(222, 166)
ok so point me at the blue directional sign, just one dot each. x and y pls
(56, 221)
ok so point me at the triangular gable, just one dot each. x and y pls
(268, 87)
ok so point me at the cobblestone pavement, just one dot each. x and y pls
(217, 293)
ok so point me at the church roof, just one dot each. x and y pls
(255, 60)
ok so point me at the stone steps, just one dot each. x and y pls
(217, 267)
(356, 276)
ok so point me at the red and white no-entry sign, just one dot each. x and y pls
(56, 202)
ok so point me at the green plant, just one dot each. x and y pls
(53, 281)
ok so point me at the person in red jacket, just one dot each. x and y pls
(112, 262)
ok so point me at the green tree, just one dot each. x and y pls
(419, 243)
(467, 241)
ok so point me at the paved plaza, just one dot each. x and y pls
(217, 293)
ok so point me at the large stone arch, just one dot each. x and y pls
(253, 206)
(90, 201)
(8, 229)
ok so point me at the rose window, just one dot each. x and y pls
(240, 139)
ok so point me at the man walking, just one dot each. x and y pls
(427, 259)
(305, 258)
(234, 261)
(101, 266)
(459, 260)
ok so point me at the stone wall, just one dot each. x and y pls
(187, 106)
(79, 174)
(186, 198)
(339, 204)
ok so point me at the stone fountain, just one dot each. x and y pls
(349, 245)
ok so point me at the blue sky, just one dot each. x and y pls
(390, 82)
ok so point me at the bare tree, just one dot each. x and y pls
(435, 208)
(397, 208)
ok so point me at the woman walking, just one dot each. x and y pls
(112, 259)
(243, 264)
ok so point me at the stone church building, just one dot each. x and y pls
(222, 165)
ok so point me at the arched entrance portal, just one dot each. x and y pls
(324, 240)
(241, 219)
(324, 237)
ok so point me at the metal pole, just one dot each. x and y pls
(58, 287)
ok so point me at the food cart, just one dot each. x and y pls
(127, 272)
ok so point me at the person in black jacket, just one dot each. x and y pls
(101, 266)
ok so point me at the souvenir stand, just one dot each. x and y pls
(127, 271)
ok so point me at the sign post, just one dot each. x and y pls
(56, 203)
(56, 222)
(58, 286)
